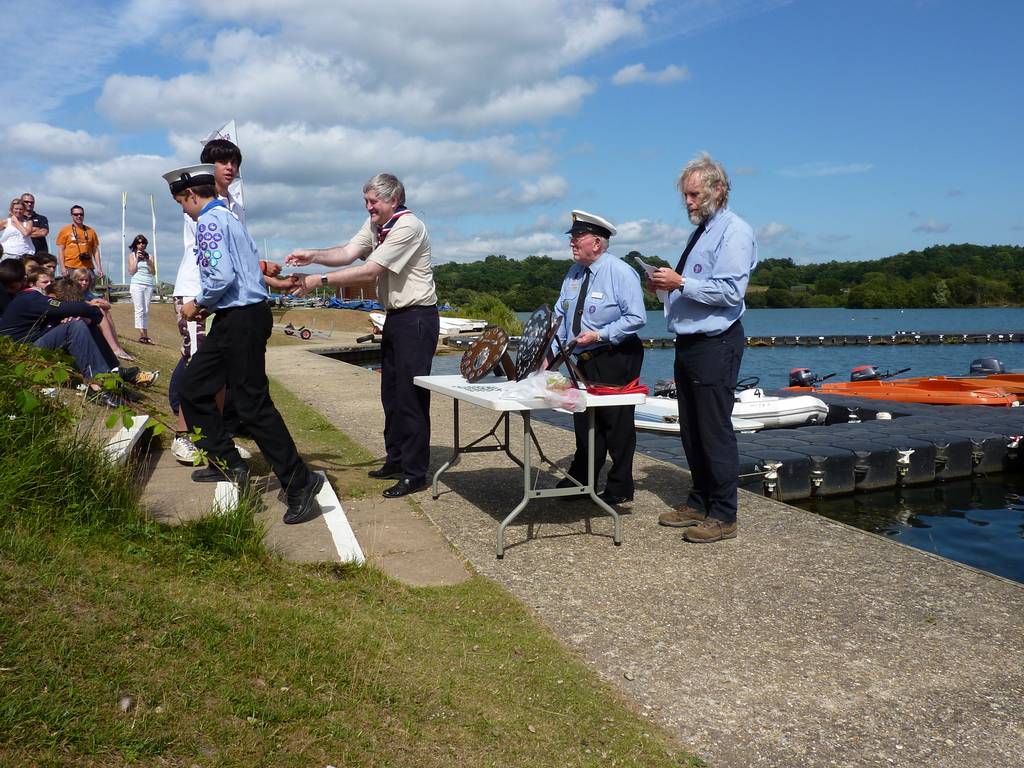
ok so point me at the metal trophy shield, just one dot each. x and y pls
(535, 342)
(488, 350)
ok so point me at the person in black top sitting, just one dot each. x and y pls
(31, 317)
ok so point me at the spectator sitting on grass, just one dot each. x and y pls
(33, 318)
(83, 279)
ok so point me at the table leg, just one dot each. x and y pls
(527, 477)
(474, 446)
(591, 480)
(455, 452)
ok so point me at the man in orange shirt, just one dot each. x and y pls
(79, 244)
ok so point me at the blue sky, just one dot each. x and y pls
(851, 130)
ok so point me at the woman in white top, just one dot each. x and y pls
(16, 230)
(143, 281)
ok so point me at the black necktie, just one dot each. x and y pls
(689, 246)
(577, 315)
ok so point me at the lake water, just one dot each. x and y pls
(772, 364)
(979, 522)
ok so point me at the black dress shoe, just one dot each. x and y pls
(387, 472)
(303, 506)
(406, 486)
(211, 473)
(613, 499)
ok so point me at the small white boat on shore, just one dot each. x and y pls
(752, 411)
(449, 325)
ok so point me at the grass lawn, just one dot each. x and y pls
(126, 643)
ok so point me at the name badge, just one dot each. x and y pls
(597, 295)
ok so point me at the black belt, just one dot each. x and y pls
(590, 354)
(398, 311)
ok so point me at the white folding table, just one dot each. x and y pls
(489, 394)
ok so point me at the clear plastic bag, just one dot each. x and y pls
(553, 388)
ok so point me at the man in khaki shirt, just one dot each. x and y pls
(394, 244)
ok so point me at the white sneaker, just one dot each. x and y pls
(184, 451)
(245, 453)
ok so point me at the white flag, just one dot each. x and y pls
(226, 132)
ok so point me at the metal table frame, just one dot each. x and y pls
(487, 396)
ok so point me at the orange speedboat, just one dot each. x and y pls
(930, 390)
(1011, 382)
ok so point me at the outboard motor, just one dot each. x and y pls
(986, 366)
(664, 388)
(865, 373)
(802, 377)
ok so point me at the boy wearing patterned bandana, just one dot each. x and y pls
(234, 351)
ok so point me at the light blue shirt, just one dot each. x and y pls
(613, 306)
(229, 268)
(715, 277)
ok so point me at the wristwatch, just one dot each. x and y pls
(323, 279)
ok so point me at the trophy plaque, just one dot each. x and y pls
(488, 350)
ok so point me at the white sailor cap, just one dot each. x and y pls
(181, 179)
(587, 222)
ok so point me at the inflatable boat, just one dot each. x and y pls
(449, 325)
(752, 411)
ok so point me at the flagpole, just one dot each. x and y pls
(124, 205)
(156, 268)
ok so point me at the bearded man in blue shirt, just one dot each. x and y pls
(601, 307)
(704, 307)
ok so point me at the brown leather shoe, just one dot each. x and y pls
(710, 529)
(681, 517)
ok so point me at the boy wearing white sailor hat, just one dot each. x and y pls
(234, 352)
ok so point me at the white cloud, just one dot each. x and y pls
(811, 170)
(48, 142)
(651, 238)
(638, 73)
(518, 246)
(772, 231)
(453, 67)
(67, 59)
(302, 155)
(546, 189)
(933, 226)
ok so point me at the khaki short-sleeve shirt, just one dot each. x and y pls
(408, 278)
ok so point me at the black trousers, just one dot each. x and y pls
(234, 354)
(408, 343)
(614, 431)
(706, 368)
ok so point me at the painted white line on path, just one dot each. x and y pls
(334, 515)
(225, 497)
(119, 447)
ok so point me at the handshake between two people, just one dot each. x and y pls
(296, 283)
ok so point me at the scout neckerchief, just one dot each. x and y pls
(383, 231)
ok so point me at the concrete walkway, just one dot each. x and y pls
(801, 643)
